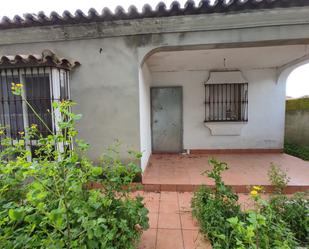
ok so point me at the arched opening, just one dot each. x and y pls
(244, 80)
(297, 85)
(297, 112)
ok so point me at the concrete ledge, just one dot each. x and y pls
(236, 188)
(225, 128)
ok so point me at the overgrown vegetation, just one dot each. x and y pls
(280, 222)
(45, 198)
(212, 208)
(278, 178)
(296, 150)
(297, 104)
(293, 210)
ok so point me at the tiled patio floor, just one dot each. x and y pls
(171, 222)
(180, 172)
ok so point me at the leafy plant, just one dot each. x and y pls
(259, 231)
(278, 178)
(260, 228)
(295, 212)
(296, 150)
(212, 207)
(46, 198)
(270, 224)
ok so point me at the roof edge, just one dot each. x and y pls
(46, 59)
(190, 8)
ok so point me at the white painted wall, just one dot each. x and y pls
(265, 128)
(106, 85)
(144, 109)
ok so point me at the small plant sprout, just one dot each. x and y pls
(278, 178)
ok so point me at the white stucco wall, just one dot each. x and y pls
(106, 85)
(265, 128)
(105, 88)
(144, 108)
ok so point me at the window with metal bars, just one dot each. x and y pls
(226, 102)
(41, 87)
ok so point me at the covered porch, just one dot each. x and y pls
(172, 172)
(206, 100)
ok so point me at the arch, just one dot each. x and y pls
(284, 71)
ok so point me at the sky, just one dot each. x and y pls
(298, 81)
(12, 7)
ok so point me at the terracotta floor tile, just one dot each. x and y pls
(167, 207)
(244, 169)
(194, 240)
(152, 206)
(187, 222)
(169, 221)
(153, 220)
(151, 187)
(151, 196)
(185, 200)
(168, 196)
(169, 187)
(169, 239)
(148, 239)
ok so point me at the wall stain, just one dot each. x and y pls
(182, 36)
(134, 41)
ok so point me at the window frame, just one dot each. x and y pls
(214, 106)
(56, 77)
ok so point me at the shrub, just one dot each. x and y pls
(226, 226)
(293, 210)
(274, 232)
(261, 231)
(278, 178)
(212, 207)
(295, 150)
(297, 104)
(46, 201)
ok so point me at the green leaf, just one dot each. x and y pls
(15, 214)
(96, 171)
(77, 116)
(233, 220)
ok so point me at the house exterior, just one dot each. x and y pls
(169, 80)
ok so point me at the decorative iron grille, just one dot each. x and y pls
(41, 87)
(226, 102)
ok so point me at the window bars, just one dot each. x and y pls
(226, 102)
(41, 87)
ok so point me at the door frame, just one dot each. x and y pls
(181, 117)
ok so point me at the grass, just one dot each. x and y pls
(296, 150)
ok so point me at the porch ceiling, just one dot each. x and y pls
(230, 58)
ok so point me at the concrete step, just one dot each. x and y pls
(290, 189)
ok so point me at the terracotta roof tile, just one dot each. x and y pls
(190, 8)
(47, 58)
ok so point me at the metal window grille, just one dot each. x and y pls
(226, 102)
(41, 87)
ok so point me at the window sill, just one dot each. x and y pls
(226, 128)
